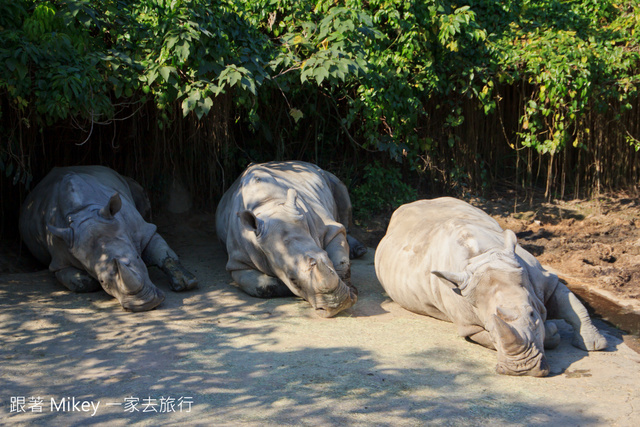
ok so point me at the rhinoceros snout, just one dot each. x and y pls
(334, 303)
(539, 368)
(544, 368)
(134, 289)
(149, 298)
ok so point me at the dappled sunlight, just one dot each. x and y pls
(248, 360)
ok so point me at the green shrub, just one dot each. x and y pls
(381, 190)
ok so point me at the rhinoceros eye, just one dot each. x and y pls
(535, 319)
(506, 315)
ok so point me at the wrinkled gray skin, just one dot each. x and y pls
(447, 259)
(86, 223)
(283, 225)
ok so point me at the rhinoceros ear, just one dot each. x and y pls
(460, 280)
(252, 222)
(113, 207)
(65, 234)
(510, 240)
(290, 204)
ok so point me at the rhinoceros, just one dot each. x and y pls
(86, 223)
(447, 259)
(283, 225)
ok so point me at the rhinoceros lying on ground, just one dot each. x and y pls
(283, 225)
(85, 222)
(449, 260)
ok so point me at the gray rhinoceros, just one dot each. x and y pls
(283, 225)
(85, 222)
(447, 259)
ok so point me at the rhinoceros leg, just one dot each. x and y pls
(140, 199)
(356, 248)
(551, 335)
(551, 339)
(159, 253)
(565, 305)
(343, 203)
(338, 252)
(77, 280)
(483, 338)
(260, 285)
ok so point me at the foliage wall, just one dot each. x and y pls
(454, 96)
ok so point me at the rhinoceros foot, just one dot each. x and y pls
(181, 279)
(77, 280)
(589, 339)
(272, 290)
(356, 248)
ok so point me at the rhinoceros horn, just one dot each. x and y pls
(324, 276)
(65, 234)
(323, 268)
(461, 280)
(131, 282)
(509, 337)
(113, 207)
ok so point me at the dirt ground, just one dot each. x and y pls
(596, 241)
(214, 355)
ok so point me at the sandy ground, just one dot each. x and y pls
(227, 358)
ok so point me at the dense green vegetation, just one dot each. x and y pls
(456, 94)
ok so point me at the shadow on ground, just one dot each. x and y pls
(230, 358)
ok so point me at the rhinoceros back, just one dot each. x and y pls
(427, 235)
(256, 189)
(52, 200)
(443, 234)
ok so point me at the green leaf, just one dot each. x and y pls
(320, 73)
(296, 114)
(183, 50)
(234, 77)
(171, 41)
(189, 103)
(305, 74)
(207, 103)
(22, 70)
(165, 72)
(151, 77)
(248, 84)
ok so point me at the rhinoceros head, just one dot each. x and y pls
(498, 288)
(295, 256)
(107, 250)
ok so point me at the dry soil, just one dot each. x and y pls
(214, 355)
